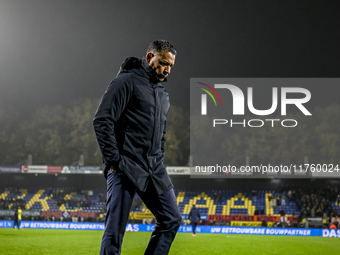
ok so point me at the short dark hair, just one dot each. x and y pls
(158, 46)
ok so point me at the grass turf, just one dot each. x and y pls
(46, 241)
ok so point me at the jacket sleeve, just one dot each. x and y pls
(113, 103)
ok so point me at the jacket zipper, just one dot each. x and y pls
(154, 128)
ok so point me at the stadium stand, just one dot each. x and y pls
(65, 202)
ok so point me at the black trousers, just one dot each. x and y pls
(120, 194)
(194, 225)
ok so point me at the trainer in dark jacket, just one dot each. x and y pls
(194, 217)
(130, 125)
(130, 128)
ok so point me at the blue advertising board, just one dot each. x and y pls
(10, 169)
(182, 229)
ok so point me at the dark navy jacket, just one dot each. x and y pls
(130, 125)
(194, 215)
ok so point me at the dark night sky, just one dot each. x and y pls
(54, 51)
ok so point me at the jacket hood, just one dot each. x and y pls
(140, 67)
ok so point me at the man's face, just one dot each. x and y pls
(161, 63)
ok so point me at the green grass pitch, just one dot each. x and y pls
(63, 242)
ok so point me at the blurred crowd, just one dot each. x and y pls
(9, 203)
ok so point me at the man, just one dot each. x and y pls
(194, 217)
(282, 222)
(16, 222)
(17, 218)
(130, 128)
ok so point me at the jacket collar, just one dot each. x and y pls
(151, 73)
